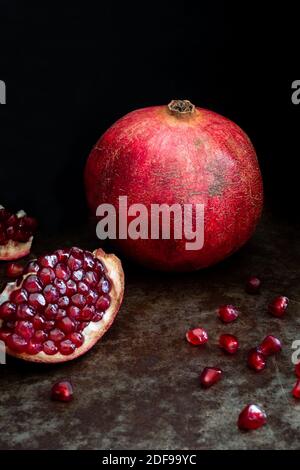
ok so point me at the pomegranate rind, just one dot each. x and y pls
(95, 330)
(15, 250)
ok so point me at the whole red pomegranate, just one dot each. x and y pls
(179, 154)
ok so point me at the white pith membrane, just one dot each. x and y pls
(94, 330)
(13, 250)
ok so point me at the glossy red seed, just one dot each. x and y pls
(104, 285)
(46, 276)
(25, 312)
(278, 306)
(19, 296)
(32, 267)
(296, 390)
(62, 255)
(48, 261)
(56, 335)
(270, 345)
(49, 325)
(61, 313)
(91, 297)
(91, 278)
(73, 312)
(16, 343)
(38, 322)
(78, 300)
(197, 336)
(74, 263)
(14, 270)
(297, 370)
(39, 336)
(256, 360)
(98, 316)
(24, 329)
(66, 347)
(103, 303)
(62, 271)
(71, 288)
(50, 348)
(32, 284)
(252, 417)
(209, 376)
(228, 313)
(7, 310)
(66, 325)
(5, 333)
(62, 391)
(81, 326)
(76, 338)
(37, 301)
(63, 301)
(77, 275)
(88, 261)
(83, 288)
(60, 286)
(87, 313)
(229, 343)
(33, 348)
(51, 294)
(253, 285)
(50, 312)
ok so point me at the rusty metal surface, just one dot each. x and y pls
(138, 388)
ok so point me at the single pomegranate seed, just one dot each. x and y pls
(62, 255)
(62, 272)
(71, 288)
(38, 322)
(62, 391)
(103, 303)
(91, 278)
(51, 294)
(88, 261)
(228, 313)
(76, 338)
(297, 370)
(16, 343)
(77, 275)
(252, 417)
(14, 270)
(197, 336)
(229, 343)
(25, 312)
(32, 267)
(56, 335)
(104, 286)
(50, 311)
(66, 347)
(7, 310)
(32, 284)
(209, 376)
(296, 390)
(78, 300)
(253, 285)
(256, 360)
(63, 301)
(37, 301)
(98, 316)
(24, 329)
(83, 288)
(48, 261)
(34, 348)
(66, 325)
(87, 313)
(61, 313)
(49, 325)
(73, 312)
(46, 276)
(19, 296)
(60, 286)
(40, 336)
(278, 306)
(99, 267)
(270, 345)
(74, 263)
(50, 348)
(91, 297)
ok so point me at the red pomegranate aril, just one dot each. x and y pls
(63, 301)
(77, 275)
(40, 336)
(14, 270)
(209, 376)
(270, 345)
(48, 261)
(12, 220)
(252, 417)
(256, 360)
(51, 294)
(76, 338)
(46, 276)
(66, 347)
(16, 343)
(229, 343)
(99, 267)
(7, 310)
(103, 303)
(297, 370)
(228, 313)
(5, 333)
(88, 261)
(19, 296)
(296, 390)
(81, 326)
(60, 286)
(73, 312)
(38, 322)
(32, 267)
(21, 235)
(49, 325)
(24, 329)
(278, 306)
(34, 348)
(56, 335)
(66, 325)
(91, 278)
(91, 297)
(50, 348)
(104, 286)
(83, 288)
(37, 301)
(87, 313)
(50, 312)
(253, 285)
(197, 336)
(74, 263)
(32, 284)
(98, 316)
(62, 272)
(25, 312)
(61, 313)
(78, 300)
(62, 255)
(62, 391)
(71, 288)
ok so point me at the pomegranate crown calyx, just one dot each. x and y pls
(180, 107)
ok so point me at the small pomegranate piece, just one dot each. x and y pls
(256, 360)
(209, 376)
(296, 390)
(228, 313)
(297, 370)
(16, 234)
(197, 336)
(270, 345)
(14, 270)
(253, 285)
(252, 417)
(62, 391)
(278, 306)
(50, 315)
(229, 343)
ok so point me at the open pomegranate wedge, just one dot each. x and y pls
(16, 234)
(62, 305)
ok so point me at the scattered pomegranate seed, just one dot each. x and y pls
(209, 376)
(14, 270)
(256, 360)
(252, 417)
(62, 391)
(228, 313)
(278, 306)
(296, 390)
(229, 343)
(297, 370)
(197, 336)
(270, 345)
(253, 285)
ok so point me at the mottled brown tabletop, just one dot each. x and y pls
(138, 388)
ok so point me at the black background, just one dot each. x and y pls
(72, 69)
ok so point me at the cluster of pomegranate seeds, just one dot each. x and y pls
(197, 336)
(252, 417)
(278, 306)
(62, 391)
(228, 313)
(60, 295)
(209, 376)
(17, 227)
(229, 343)
(14, 270)
(253, 285)
(257, 357)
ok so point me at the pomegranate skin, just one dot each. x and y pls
(159, 155)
